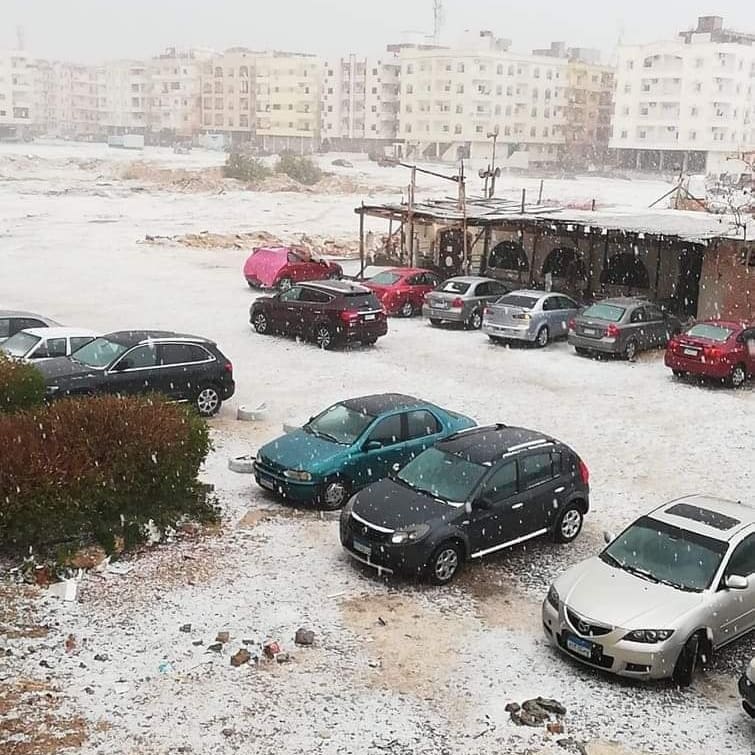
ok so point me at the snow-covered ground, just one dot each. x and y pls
(436, 677)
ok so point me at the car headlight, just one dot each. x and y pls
(297, 474)
(50, 389)
(410, 534)
(553, 598)
(649, 636)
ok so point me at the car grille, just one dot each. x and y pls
(268, 465)
(584, 627)
(366, 532)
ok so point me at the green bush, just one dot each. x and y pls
(21, 385)
(244, 166)
(98, 469)
(301, 169)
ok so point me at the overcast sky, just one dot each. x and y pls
(93, 30)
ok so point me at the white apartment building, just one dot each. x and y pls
(687, 104)
(360, 102)
(127, 95)
(453, 99)
(16, 95)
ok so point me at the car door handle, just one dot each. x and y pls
(518, 506)
(559, 490)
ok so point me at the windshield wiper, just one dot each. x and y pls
(678, 586)
(643, 573)
(324, 436)
(611, 559)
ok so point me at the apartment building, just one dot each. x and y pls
(16, 95)
(452, 101)
(360, 102)
(287, 101)
(687, 104)
(228, 97)
(127, 93)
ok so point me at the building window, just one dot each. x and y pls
(409, 89)
(533, 131)
(478, 129)
(459, 109)
(457, 128)
(409, 68)
(460, 89)
(460, 68)
(218, 103)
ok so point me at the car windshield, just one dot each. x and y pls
(609, 312)
(442, 475)
(99, 353)
(517, 300)
(660, 552)
(20, 344)
(717, 333)
(385, 279)
(455, 287)
(339, 424)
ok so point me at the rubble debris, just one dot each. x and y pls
(223, 637)
(198, 642)
(304, 637)
(240, 657)
(552, 706)
(555, 727)
(102, 657)
(215, 647)
(382, 621)
(512, 708)
(282, 657)
(70, 643)
(66, 590)
(165, 667)
(271, 649)
(185, 628)
(536, 712)
(88, 557)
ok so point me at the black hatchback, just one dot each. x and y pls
(181, 367)
(479, 491)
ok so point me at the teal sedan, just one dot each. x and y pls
(350, 445)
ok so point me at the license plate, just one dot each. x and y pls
(369, 317)
(590, 332)
(440, 304)
(691, 352)
(265, 482)
(362, 548)
(579, 646)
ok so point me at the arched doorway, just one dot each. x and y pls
(566, 267)
(626, 271)
(510, 260)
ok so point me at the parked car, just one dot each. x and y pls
(535, 316)
(462, 300)
(747, 689)
(11, 321)
(715, 349)
(281, 267)
(622, 326)
(351, 444)
(183, 368)
(479, 491)
(330, 313)
(402, 290)
(675, 586)
(34, 344)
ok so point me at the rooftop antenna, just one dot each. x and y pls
(20, 37)
(438, 18)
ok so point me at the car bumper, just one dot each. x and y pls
(443, 313)
(363, 331)
(291, 489)
(604, 345)
(679, 362)
(634, 660)
(747, 693)
(511, 332)
(228, 389)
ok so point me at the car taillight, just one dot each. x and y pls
(349, 317)
(612, 331)
(713, 352)
(228, 368)
(457, 303)
(522, 316)
(572, 325)
(487, 311)
(584, 472)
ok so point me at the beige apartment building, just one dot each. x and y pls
(127, 92)
(360, 102)
(16, 95)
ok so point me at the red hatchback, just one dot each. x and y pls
(280, 267)
(716, 349)
(402, 290)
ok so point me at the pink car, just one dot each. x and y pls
(282, 266)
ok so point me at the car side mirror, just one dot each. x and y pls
(484, 502)
(608, 536)
(735, 582)
(124, 364)
(373, 445)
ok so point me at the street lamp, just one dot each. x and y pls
(492, 172)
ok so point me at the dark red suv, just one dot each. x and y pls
(715, 349)
(326, 312)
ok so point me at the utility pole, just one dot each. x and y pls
(492, 172)
(410, 214)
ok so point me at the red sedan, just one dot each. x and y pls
(281, 267)
(716, 349)
(402, 290)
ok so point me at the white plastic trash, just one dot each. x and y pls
(242, 464)
(252, 415)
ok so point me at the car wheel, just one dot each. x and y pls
(686, 663)
(738, 376)
(284, 284)
(630, 350)
(475, 320)
(369, 342)
(748, 709)
(445, 563)
(434, 322)
(334, 495)
(582, 351)
(407, 309)
(569, 524)
(324, 336)
(543, 336)
(260, 323)
(208, 401)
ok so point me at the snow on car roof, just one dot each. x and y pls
(60, 332)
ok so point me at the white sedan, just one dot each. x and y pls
(34, 344)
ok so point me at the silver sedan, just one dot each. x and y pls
(462, 300)
(674, 587)
(535, 316)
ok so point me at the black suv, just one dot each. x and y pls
(183, 368)
(474, 493)
(326, 312)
